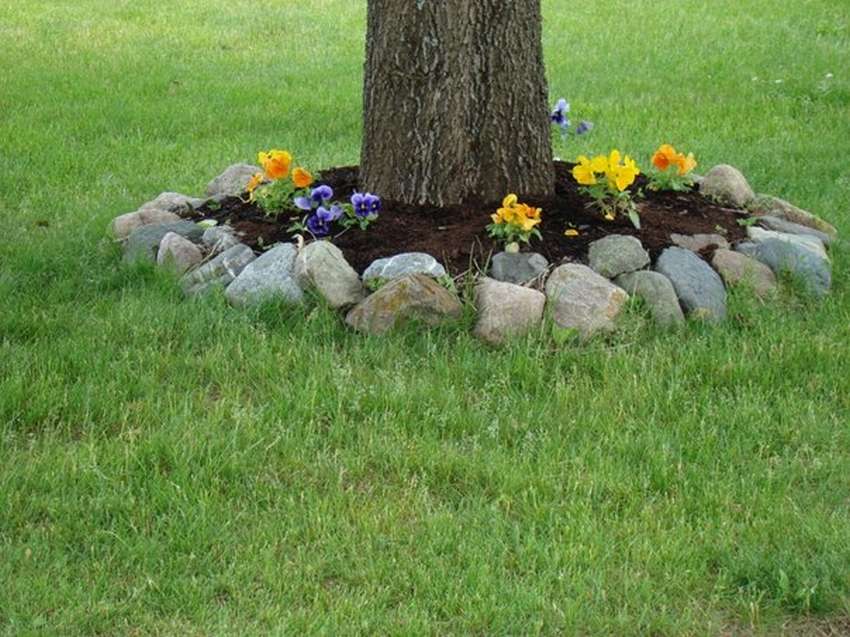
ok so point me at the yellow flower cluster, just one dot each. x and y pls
(520, 215)
(620, 172)
(277, 165)
(667, 156)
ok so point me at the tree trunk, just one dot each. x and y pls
(455, 101)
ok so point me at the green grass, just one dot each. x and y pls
(173, 467)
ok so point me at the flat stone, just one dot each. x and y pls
(657, 293)
(233, 181)
(699, 242)
(727, 185)
(143, 242)
(123, 225)
(414, 296)
(582, 300)
(219, 238)
(506, 310)
(178, 253)
(699, 288)
(782, 225)
(271, 276)
(403, 264)
(221, 271)
(517, 267)
(736, 268)
(776, 207)
(808, 266)
(617, 254)
(757, 235)
(173, 202)
(321, 266)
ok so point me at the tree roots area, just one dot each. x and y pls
(457, 236)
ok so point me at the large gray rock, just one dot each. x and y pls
(506, 310)
(403, 264)
(143, 242)
(321, 266)
(657, 293)
(582, 300)
(810, 267)
(727, 185)
(219, 238)
(617, 254)
(698, 242)
(269, 277)
(178, 253)
(414, 296)
(221, 271)
(699, 288)
(782, 225)
(173, 202)
(776, 207)
(517, 267)
(233, 181)
(123, 225)
(758, 235)
(736, 268)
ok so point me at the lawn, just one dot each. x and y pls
(182, 468)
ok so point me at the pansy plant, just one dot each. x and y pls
(514, 222)
(671, 169)
(606, 179)
(274, 188)
(560, 117)
(323, 213)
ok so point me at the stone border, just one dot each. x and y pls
(580, 299)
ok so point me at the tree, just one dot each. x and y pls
(455, 101)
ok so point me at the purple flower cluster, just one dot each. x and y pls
(324, 213)
(560, 118)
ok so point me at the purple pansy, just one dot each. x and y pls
(319, 223)
(365, 204)
(559, 114)
(318, 196)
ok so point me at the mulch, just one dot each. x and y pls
(457, 237)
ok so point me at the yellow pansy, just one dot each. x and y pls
(254, 182)
(583, 171)
(275, 163)
(685, 164)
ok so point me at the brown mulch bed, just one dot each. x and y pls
(457, 237)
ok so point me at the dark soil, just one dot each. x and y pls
(457, 237)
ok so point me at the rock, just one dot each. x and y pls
(173, 202)
(268, 277)
(781, 225)
(517, 267)
(699, 288)
(123, 225)
(221, 271)
(727, 185)
(617, 254)
(583, 300)
(233, 181)
(178, 253)
(699, 242)
(321, 266)
(775, 207)
(810, 267)
(657, 293)
(143, 242)
(506, 310)
(414, 296)
(809, 242)
(219, 238)
(736, 268)
(403, 264)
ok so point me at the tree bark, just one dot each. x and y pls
(455, 101)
